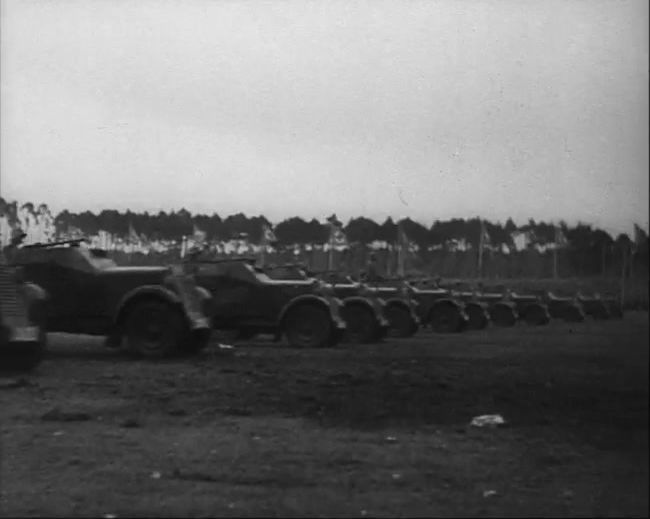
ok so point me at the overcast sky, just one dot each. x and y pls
(427, 109)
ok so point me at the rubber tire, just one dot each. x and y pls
(336, 337)
(246, 334)
(503, 316)
(615, 310)
(478, 320)
(558, 310)
(402, 324)
(361, 325)
(600, 311)
(318, 336)
(24, 357)
(536, 315)
(573, 314)
(197, 341)
(171, 329)
(446, 319)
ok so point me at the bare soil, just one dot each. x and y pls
(378, 430)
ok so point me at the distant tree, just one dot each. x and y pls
(362, 230)
(293, 230)
(510, 226)
(388, 231)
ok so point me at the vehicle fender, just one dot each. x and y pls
(395, 301)
(481, 304)
(37, 300)
(35, 292)
(206, 299)
(509, 304)
(536, 304)
(445, 303)
(312, 299)
(411, 306)
(376, 308)
(144, 292)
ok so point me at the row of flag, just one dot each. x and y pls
(38, 226)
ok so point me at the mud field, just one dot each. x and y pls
(377, 430)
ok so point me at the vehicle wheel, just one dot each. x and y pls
(446, 319)
(381, 334)
(503, 315)
(573, 314)
(336, 337)
(154, 329)
(197, 341)
(308, 326)
(361, 326)
(246, 334)
(24, 356)
(478, 320)
(615, 310)
(401, 322)
(536, 315)
(600, 311)
(557, 311)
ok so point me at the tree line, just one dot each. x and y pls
(174, 225)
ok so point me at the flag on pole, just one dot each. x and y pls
(337, 239)
(560, 243)
(337, 236)
(484, 241)
(640, 237)
(268, 236)
(520, 240)
(560, 239)
(404, 245)
(198, 235)
(105, 240)
(133, 235)
(402, 238)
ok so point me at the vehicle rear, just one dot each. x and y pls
(22, 340)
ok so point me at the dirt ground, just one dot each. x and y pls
(377, 430)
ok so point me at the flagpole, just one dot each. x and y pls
(330, 257)
(480, 252)
(400, 260)
(555, 249)
(624, 261)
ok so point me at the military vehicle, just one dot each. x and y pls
(23, 339)
(150, 311)
(566, 308)
(435, 307)
(245, 299)
(600, 307)
(395, 315)
(505, 307)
